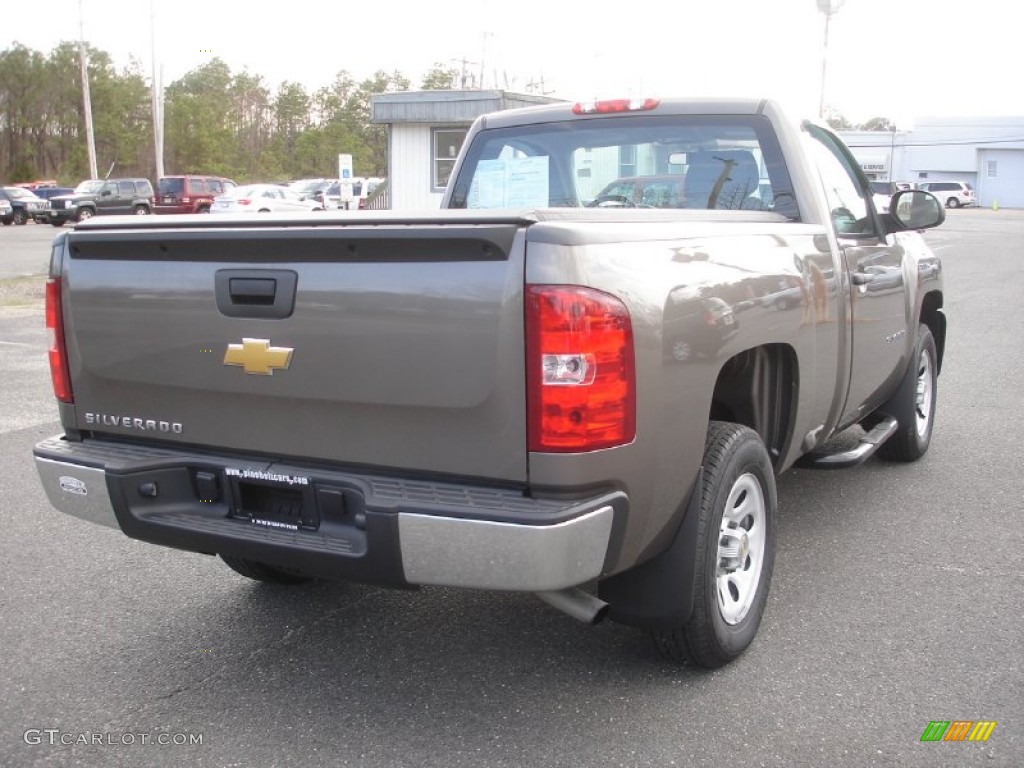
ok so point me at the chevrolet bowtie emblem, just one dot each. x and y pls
(257, 356)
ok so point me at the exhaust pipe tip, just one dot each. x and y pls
(574, 602)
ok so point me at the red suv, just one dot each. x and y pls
(189, 194)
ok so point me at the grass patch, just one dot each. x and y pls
(27, 291)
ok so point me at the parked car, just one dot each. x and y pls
(362, 188)
(954, 194)
(102, 197)
(48, 193)
(189, 194)
(263, 198)
(662, 191)
(24, 205)
(6, 211)
(308, 187)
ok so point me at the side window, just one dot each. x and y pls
(125, 189)
(216, 188)
(846, 198)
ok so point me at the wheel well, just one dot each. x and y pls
(933, 316)
(758, 388)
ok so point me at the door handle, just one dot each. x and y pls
(862, 278)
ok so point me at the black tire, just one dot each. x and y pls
(952, 203)
(57, 223)
(739, 486)
(913, 405)
(140, 210)
(84, 213)
(263, 572)
(19, 217)
(8, 222)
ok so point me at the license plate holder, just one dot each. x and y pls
(279, 506)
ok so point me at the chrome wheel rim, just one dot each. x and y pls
(925, 395)
(741, 543)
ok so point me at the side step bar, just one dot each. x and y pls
(868, 444)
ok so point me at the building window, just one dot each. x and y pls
(922, 175)
(446, 142)
(627, 160)
(991, 168)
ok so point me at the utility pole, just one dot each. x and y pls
(463, 76)
(157, 94)
(93, 172)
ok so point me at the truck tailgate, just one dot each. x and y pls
(364, 344)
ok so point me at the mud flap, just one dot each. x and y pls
(658, 594)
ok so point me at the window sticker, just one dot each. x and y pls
(518, 182)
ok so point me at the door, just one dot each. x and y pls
(873, 261)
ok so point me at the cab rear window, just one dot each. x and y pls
(672, 161)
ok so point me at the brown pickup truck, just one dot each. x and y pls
(542, 387)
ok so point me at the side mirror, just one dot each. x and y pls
(915, 209)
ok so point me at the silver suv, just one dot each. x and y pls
(953, 194)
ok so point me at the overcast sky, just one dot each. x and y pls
(900, 59)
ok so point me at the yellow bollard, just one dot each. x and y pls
(995, 204)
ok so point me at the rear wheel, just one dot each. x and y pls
(952, 203)
(263, 572)
(140, 210)
(735, 551)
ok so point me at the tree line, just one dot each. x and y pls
(215, 121)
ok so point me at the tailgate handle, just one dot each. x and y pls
(258, 293)
(248, 290)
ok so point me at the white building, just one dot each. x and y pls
(986, 152)
(425, 132)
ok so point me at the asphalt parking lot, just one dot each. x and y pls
(896, 601)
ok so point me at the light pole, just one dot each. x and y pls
(829, 8)
(892, 155)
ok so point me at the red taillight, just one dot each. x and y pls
(243, 201)
(614, 105)
(59, 374)
(581, 381)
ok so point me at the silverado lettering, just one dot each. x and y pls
(580, 378)
(132, 422)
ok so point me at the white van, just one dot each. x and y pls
(953, 193)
